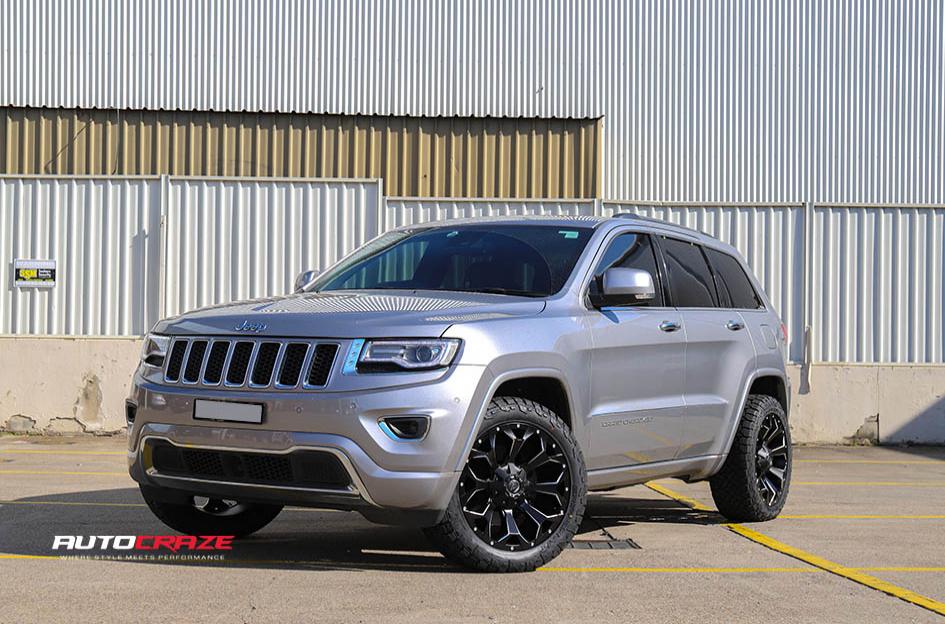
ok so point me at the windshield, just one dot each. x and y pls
(527, 260)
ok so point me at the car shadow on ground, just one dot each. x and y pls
(298, 539)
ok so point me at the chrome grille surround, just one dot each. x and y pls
(221, 377)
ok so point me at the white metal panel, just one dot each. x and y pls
(409, 211)
(771, 238)
(104, 235)
(878, 284)
(744, 101)
(232, 239)
(514, 59)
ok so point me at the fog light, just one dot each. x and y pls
(405, 427)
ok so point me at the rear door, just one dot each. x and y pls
(737, 291)
(638, 363)
(719, 350)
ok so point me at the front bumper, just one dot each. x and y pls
(394, 481)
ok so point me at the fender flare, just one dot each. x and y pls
(736, 420)
(510, 375)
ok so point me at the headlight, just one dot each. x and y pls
(155, 350)
(393, 355)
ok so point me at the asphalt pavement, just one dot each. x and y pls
(862, 539)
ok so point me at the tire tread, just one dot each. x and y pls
(448, 535)
(733, 487)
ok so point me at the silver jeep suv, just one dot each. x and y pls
(475, 378)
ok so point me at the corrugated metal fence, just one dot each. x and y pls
(878, 293)
(223, 239)
(868, 281)
(104, 234)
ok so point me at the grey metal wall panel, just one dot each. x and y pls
(409, 211)
(230, 239)
(771, 238)
(347, 56)
(878, 284)
(877, 273)
(104, 235)
(744, 101)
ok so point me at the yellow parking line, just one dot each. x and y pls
(852, 574)
(875, 483)
(861, 517)
(62, 472)
(870, 461)
(685, 500)
(681, 570)
(62, 452)
(835, 568)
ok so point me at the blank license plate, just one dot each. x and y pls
(224, 410)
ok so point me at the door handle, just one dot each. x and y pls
(735, 325)
(669, 326)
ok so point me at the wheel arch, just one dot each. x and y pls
(521, 377)
(769, 379)
(547, 390)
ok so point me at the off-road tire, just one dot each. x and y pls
(735, 488)
(454, 537)
(188, 519)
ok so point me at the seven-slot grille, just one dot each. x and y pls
(252, 363)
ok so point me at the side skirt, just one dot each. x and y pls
(691, 468)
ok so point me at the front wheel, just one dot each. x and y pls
(754, 481)
(521, 494)
(200, 515)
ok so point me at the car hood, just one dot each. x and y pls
(350, 314)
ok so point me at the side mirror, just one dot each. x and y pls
(619, 286)
(304, 279)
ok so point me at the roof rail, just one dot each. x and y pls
(633, 215)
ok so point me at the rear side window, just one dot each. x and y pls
(632, 251)
(690, 279)
(735, 288)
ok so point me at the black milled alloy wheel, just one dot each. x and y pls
(754, 481)
(521, 494)
(201, 515)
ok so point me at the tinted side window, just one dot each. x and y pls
(632, 251)
(734, 286)
(690, 279)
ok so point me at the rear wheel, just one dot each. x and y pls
(201, 515)
(754, 481)
(521, 494)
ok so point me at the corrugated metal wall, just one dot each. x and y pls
(868, 280)
(438, 157)
(104, 235)
(408, 211)
(236, 239)
(878, 283)
(771, 238)
(743, 101)
(225, 240)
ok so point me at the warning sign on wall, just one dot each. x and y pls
(34, 273)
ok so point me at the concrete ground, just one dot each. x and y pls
(877, 514)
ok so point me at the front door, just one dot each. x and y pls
(638, 368)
